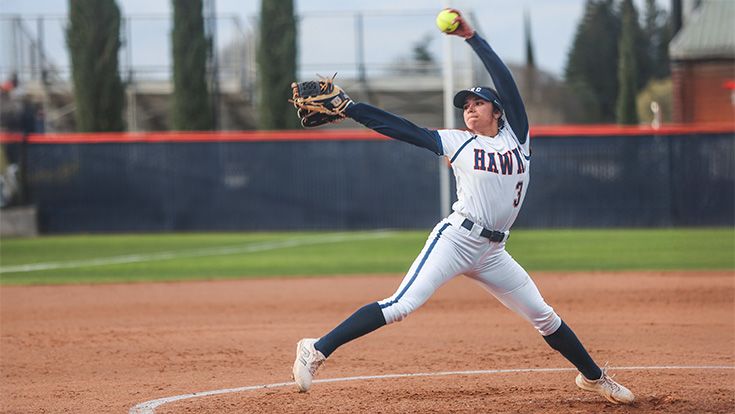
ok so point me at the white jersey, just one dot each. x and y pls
(492, 178)
(491, 174)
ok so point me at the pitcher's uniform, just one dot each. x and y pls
(492, 176)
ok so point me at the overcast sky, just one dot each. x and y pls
(327, 34)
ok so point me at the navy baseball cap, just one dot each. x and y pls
(483, 92)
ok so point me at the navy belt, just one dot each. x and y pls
(493, 235)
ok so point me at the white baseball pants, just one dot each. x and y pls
(452, 250)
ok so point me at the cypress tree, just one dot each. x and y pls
(530, 59)
(642, 45)
(191, 106)
(627, 68)
(657, 30)
(276, 58)
(93, 39)
(591, 70)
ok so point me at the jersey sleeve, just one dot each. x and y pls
(454, 141)
(395, 127)
(515, 110)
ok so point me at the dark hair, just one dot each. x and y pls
(501, 121)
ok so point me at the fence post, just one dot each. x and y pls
(448, 76)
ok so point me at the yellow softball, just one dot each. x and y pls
(444, 21)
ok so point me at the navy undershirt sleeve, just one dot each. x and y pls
(515, 110)
(395, 127)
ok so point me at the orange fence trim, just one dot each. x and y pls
(340, 134)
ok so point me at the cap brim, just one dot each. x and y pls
(461, 97)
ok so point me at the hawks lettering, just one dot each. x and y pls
(489, 161)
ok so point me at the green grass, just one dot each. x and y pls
(659, 249)
(200, 256)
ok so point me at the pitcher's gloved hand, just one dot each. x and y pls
(319, 102)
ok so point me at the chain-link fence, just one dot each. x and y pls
(356, 44)
(35, 46)
(380, 55)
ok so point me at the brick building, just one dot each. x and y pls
(703, 65)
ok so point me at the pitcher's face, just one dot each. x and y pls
(480, 116)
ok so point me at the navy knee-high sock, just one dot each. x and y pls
(363, 321)
(565, 341)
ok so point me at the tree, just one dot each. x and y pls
(530, 59)
(591, 70)
(641, 44)
(594, 63)
(659, 91)
(276, 58)
(530, 72)
(93, 38)
(420, 61)
(657, 31)
(191, 108)
(422, 57)
(627, 67)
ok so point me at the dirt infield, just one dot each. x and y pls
(106, 348)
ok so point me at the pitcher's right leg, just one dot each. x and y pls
(428, 271)
(437, 263)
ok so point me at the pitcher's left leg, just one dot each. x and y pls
(512, 285)
(505, 279)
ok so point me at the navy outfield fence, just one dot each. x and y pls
(347, 179)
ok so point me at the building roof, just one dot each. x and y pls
(708, 34)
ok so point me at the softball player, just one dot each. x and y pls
(491, 162)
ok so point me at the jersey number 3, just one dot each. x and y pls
(519, 190)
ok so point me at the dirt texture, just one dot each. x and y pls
(107, 348)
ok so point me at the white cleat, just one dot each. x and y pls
(607, 387)
(308, 360)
